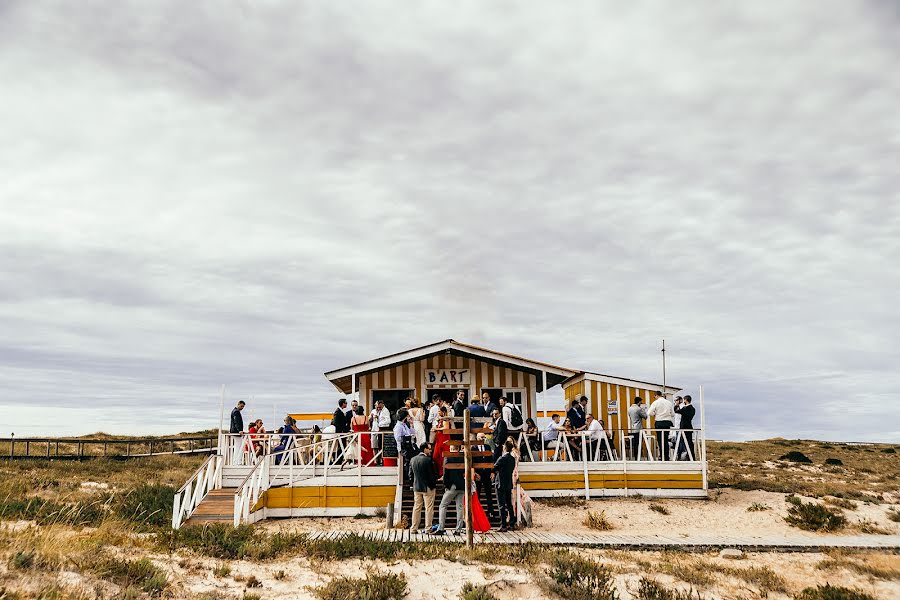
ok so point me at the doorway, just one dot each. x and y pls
(448, 395)
(393, 399)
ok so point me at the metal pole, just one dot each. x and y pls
(467, 454)
(664, 367)
(222, 410)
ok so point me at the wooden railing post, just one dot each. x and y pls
(467, 462)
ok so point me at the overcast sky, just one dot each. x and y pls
(251, 193)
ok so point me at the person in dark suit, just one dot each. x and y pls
(501, 433)
(483, 482)
(687, 411)
(237, 421)
(576, 415)
(476, 409)
(341, 422)
(503, 477)
(460, 404)
(339, 419)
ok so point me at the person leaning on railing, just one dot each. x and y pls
(687, 412)
(637, 412)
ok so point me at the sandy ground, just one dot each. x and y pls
(633, 516)
(440, 579)
(725, 511)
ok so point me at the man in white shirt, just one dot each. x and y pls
(664, 412)
(595, 436)
(379, 420)
(551, 434)
(507, 411)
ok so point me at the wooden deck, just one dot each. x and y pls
(794, 543)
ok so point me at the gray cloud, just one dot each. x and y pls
(255, 193)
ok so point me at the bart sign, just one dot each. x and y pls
(447, 376)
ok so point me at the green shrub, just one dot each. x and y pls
(757, 507)
(815, 517)
(471, 591)
(142, 574)
(795, 456)
(148, 505)
(889, 451)
(894, 515)
(792, 499)
(374, 586)
(651, 590)
(834, 461)
(832, 592)
(222, 570)
(577, 578)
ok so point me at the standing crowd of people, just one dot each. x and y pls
(427, 423)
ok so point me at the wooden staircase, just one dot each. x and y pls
(408, 499)
(216, 507)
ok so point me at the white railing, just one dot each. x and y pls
(644, 445)
(330, 456)
(207, 477)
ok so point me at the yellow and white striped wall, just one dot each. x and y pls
(604, 391)
(411, 375)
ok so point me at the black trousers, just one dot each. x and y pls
(663, 438)
(484, 485)
(507, 513)
(687, 443)
(498, 448)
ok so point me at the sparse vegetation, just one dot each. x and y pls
(815, 517)
(659, 508)
(834, 461)
(894, 515)
(222, 570)
(597, 520)
(795, 456)
(832, 592)
(253, 582)
(374, 586)
(869, 526)
(879, 566)
(840, 502)
(470, 591)
(653, 590)
(563, 501)
(577, 578)
(757, 507)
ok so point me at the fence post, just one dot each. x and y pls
(12, 447)
(151, 447)
(587, 479)
(467, 464)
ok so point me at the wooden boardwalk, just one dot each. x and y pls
(794, 543)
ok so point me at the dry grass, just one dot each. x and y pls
(878, 565)
(840, 502)
(865, 474)
(659, 508)
(597, 520)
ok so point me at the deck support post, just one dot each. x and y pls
(467, 463)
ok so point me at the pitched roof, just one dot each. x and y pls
(341, 377)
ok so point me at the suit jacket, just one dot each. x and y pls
(687, 413)
(458, 408)
(340, 421)
(504, 468)
(501, 432)
(422, 468)
(577, 417)
(237, 421)
(476, 410)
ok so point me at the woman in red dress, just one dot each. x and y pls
(360, 425)
(441, 441)
(480, 522)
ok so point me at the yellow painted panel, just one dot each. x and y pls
(646, 485)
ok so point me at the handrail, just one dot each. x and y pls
(189, 496)
(264, 474)
(196, 473)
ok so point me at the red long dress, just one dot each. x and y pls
(365, 443)
(480, 521)
(441, 443)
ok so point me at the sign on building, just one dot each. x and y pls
(612, 406)
(447, 376)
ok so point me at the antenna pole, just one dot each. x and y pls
(664, 367)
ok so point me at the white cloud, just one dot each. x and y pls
(257, 193)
